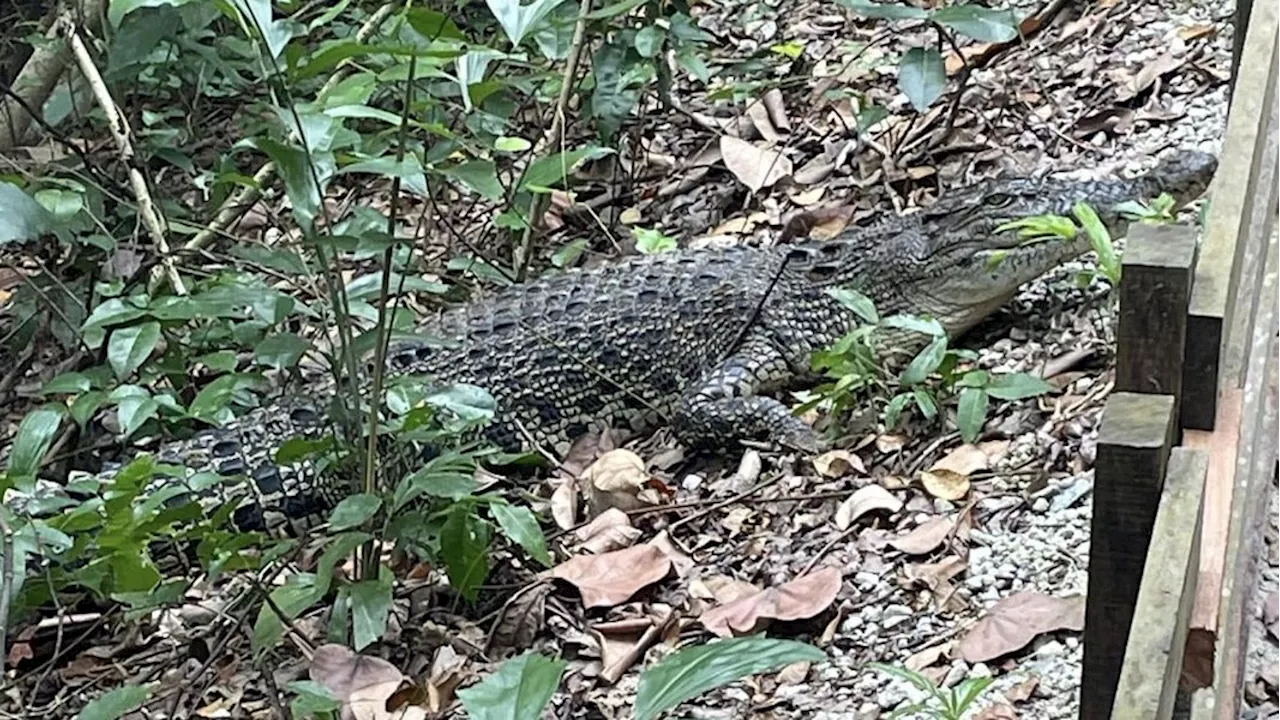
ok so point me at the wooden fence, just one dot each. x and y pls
(1188, 443)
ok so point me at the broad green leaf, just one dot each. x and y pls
(469, 402)
(914, 323)
(130, 346)
(450, 476)
(21, 217)
(922, 77)
(518, 20)
(699, 669)
(616, 92)
(519, 690)
(893, 411)
(882, 11)
(134, 410)
(85, 405)
(369, 287)
(211, 403)
(479, 175)
(297, 594)
(650, 242)
(464, 545)
(312, 699)
(928, 406)
(1100, 239)
(433, 24)
(370, 605)
(925, 363)
(552, 171)
(296, 169)
(1016, 386)
(511, 144)
(648, 41)
(569, 253)
(860, 304)
(971, 413)
(35, 436)
(116, 703)
(115, 311)
(979, 23)
(70, 383)
(301, 448)
(353, 510)
(616, 9)
(520, 524)
(283, 350)
(408, 169)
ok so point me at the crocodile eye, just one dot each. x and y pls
(997, 200)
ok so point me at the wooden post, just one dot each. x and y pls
(1152, 334)
(1153, 658)
(1216, 350)
(1133, 451)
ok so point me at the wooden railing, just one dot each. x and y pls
(1188, 443)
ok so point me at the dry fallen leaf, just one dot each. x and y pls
(755, 167)
(809, 197)
(564, 505)
(722, 589)
(1195, 32)
(863, 501)
(794, 674)
(759, 117)
(777, 108)
(997, 711)
(925, 538)
(611, 530)
(838, 463)
(945, 484)
(611, 578)
(680, 560)
(614, 481)
(363, 684)
(817, 224)
(927, 657)
(890, 443)
(799, 599)
(1023, 691)
(1015, 621)
(964, 460)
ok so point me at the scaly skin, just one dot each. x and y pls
(698, 338)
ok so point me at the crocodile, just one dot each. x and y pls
(701, 339)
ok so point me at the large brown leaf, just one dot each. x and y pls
(799, 599)
(1015, 621)
(611, 578)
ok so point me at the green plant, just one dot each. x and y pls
(950, 704)
(936, 375)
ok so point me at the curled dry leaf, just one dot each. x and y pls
(521, 618)
(611, 530)
(773, 102)
(564, 504)
(445, 676)
(866, 499)
(755, 167)
(799, 599)
(838, 463)
(997, 711)
(795, 673)
(760, 120)
(611, 578)
(890, 443)
(722, 588)
(964, 460)
(362, 684)
(1015, 621)
(945, 484)
(934, 575)
(926, 538)
(1023, 691)
(614, 481)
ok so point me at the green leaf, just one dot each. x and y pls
(469, 402)
(696, 670)
(312, 700)
(85, 405)
(569, 253)
(479, 175)
(518, 20)
(70, 383)
(520, 524)
(552, 171)
(924, 326)
(115, 311)
(971, 413)
(211, 403)
(134, 408)
(928, 406)
(450, 476)
(464, 545)
(35, 436)
(616, 92)
(1016, 386)
(519, 690)
(297, 594)
(116, 703)
(979, 23)
(130, 346)
(863, 306)
(922, 77)
(925, 363)
(369, 287)
(281, 351)
(648, 41)
(301, 448)
(879, 11)
(370, 605)
(353, 510)
(511, 144)
(893, 411)
(650, 242)
(616, 9)
(21, 217)
(1100, 239)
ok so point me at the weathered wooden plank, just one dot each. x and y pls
(1222, 446)
(1152, 333)
(1235, 190)
(1153, 658)
(1133, 451)
(1255, 468)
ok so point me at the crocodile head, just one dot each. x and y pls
(961, 266)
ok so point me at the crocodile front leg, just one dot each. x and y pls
(725, 407)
